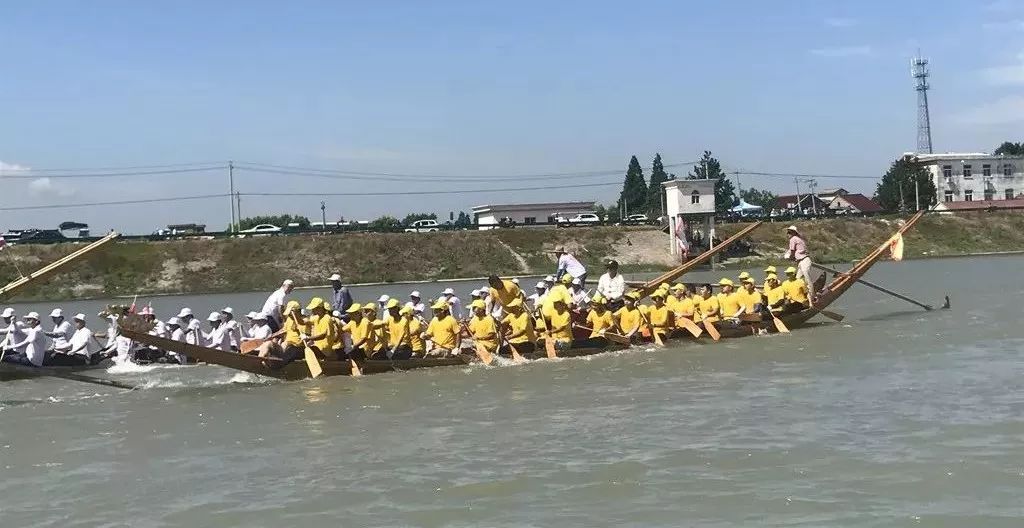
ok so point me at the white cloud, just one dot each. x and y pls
(45, 186)
(840, 22)
(11, 167)
(842, 51)
(1003, 111)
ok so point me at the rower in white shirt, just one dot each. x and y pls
(611, 285)
(260, 330)
(219, 337)
(415, 302)
(191, 325)
(272, 307)
(176, 333)
(250, 323)
(233, 329)
(61, 333)
(34, 343)
(83, 346)
(536, 300)
(382, 303)
(12, 331)
(580, 297)
(159, 328)
(454, 303)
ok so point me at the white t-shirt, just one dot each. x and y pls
(159, 329)
(611, 288)
(260, 332)
(193, 332)
(35, 344)
(234, 331)
(274, 304)
(61, 334)
(83, 343)
(571, 266)
(13, 334)
(178, 335)
(219, 338)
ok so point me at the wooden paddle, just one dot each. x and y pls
(315, 370)
(485, 356)
(549, 340)
(502, 340)
(779, 325)
(252, 344)
(712, 331)
(831, 315)
(615, 338)
(654, 332)
(689, 325)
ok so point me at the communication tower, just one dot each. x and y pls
(919, 71)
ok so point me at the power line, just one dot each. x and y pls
(120, 202)
(461, 191)
(798, 175)
(31, 175)
(121, 168)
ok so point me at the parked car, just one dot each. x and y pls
(40, 235)
(261, 229)
(423, 226)
(636, 219)
(582, 219)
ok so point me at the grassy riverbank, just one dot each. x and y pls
(232, 265)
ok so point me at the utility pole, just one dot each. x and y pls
(799, 207)
(238, 208)
(917, 195)
(903, 206)
(814, 195)
(233, 227)
(323, 216)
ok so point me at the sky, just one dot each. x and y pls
(473, 97)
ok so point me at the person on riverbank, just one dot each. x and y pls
(612, 285)
(34, 344)
(444, 330)
(797, 252)
(341, 299)
(567, 263)
(274, 304)
(61, 333)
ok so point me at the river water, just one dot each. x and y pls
(895, 417)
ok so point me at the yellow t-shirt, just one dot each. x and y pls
(773, 296)
(750, 300)
(561, 325)
(293, 332)
(629, 319)
(442, 331)
(398, 331)
(599, 321)
(521, 328)
(728, 304)
(795, 290)
(416, 336)
(323, 326)
(558, 291)
(709, 309)
(377, 340)
(358, 330)
(482, 329)
(660, 317)
(508, 291)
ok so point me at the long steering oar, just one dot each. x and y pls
(315, 369)
(830, 314)
(877, 287)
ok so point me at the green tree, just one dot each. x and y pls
(655, 192)
(412, 217)
(608, 213)
(896, 190)
(634, 189)
(464, 220)
(765, 199)
(385, 223)
(709, 168)
(281, 221)
(1009, 148)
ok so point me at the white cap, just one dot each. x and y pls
(448, 291)
(8, 312)
(287, 282)
(250, 315)
(79, 317)
(541, 284)
(515, 281)
(185, 312)
(475, 293)
(415, 293)
(484, 292)
(214, 316)
(174, 321)
(383, 299)
(57, 312)
(576, 282)
(32, 315)
(335, 277)
(336, 313)
(227, 310)
(549, 278)
(259, 316)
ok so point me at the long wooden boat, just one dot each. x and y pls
(11, 372)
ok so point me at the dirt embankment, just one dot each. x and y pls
(232, 265)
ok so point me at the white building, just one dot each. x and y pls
(690, 204)
(487, 216)
(974, 176)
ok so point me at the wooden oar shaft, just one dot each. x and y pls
(875, 286)
(55, 266)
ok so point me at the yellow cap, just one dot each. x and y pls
(678, 287)
(405, 310)
(392, 303)
(370, 306)
(441, 304)
(770, 269)
(477, 304)
(601, 300)
(354, 308)
(772, 276)
(725, 282)
(791, 269)
(566, 279)
(744, 275)
(633, 295)
(748, 280)
(658, 295)
(291, 306)
(315, 302)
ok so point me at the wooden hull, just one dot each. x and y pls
(11, 372)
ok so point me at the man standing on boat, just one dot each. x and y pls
(342, 299)
(568, 264)
(797, 252)
(611, 285)
(275, 303)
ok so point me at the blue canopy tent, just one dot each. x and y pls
(744, 209)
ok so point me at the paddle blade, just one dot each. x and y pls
(617, 338)
(690, 326)
(516, 356)
(780, 326)
(657, 338)
(712, 331)
(315, 370)
(832, 315)
(549, 347)
(356, 371)
(485, 356)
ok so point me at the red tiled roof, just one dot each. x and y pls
(862, 203)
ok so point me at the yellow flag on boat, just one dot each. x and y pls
(896, 247)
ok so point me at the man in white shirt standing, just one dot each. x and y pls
(62, 331)
(272, 307)
(568, 264)
(34, 344)
(611, 285)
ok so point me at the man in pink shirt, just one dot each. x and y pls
(797, 252)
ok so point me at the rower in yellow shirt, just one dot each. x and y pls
(295, 328)
(376, 341)
(629, 318)
(659, 316)
(796, 291)
(728, 302)
(560, 321)
(399, 337)
(482, 327)
(358, 330)
(503, 291)
(710, 310)
(558, 292)
(681, 304)
(769, 271)
(414, 328)
(444, 331)
(750, 298)
(319, 328)
(599, 319)
(522, 334)
(775, 295)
